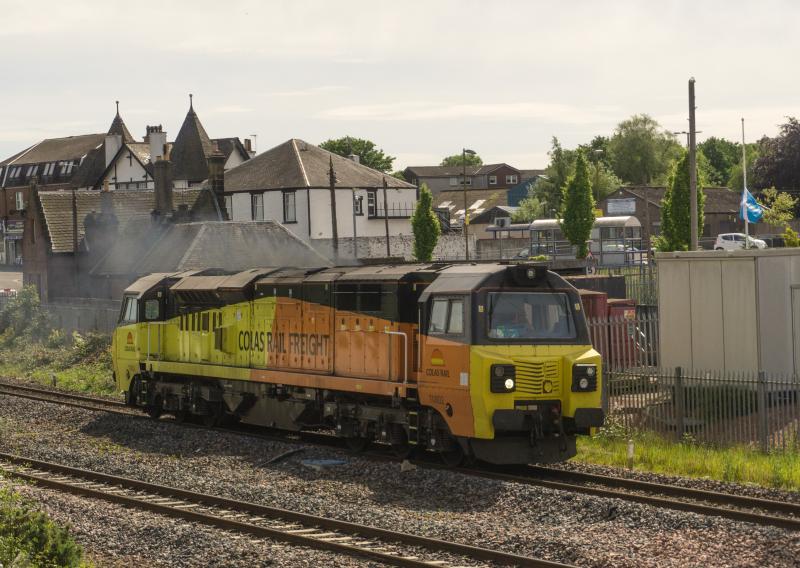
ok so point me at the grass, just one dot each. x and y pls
(738, 464)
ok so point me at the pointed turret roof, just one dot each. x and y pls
(118, 127)
(191, 149)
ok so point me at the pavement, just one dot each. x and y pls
(10, 280)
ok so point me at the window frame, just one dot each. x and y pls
(129, 304)
(19, 200)
(286, 202)
(449, 301)
(372, 203)
(492, 180)
(256, 205)
(512, 179)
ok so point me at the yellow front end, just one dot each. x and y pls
(125, 354)
(542, 373)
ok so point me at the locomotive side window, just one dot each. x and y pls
(130, 311)
(151, 310)
(455, 323)
(438, 316)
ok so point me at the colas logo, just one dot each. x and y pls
(437, 360)
(130, 338)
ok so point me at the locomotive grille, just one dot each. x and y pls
(539, 378)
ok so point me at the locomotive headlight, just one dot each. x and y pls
(502, 378)
(584, 378)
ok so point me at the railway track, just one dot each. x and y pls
(301, 529)
(759, 511)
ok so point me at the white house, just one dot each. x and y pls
(291, 182)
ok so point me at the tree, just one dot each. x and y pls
(641, 151)
(604, 182)
(779, 207)
(549, 187)
(366, 151)
(578, 208)
(459, 159)
(721, 156)
(530, 209)
(676, 211)
(779, 162)
(736, 178)
(597, 151)
(425, 226)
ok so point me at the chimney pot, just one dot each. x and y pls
(355, 157)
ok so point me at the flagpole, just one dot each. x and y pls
(744, 182)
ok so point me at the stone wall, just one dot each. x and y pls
(449, 247)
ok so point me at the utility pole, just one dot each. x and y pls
(334, 226)
(464, 152)
(386, 219)
(692, 169)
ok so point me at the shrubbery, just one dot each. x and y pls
(31, 347)
(29, 538)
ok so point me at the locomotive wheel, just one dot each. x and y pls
(154, 410)
(181, 415)
(358, 444)
(454, 456)
(400, 447)
(210, 420)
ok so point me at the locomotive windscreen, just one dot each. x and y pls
(530, 315)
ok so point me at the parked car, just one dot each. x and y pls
(734, 241)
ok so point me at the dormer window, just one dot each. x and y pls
(49, 168)
(31, 170)
(66, 168)
(14, 173)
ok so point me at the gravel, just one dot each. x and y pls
(522, 519)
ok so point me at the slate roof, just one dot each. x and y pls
(528, 174)
(490, 214)
(491, 198)
(297, 164)
(718, 199)
(191, 150)
(118, 127)
(228, 145)
(228, 245)
(448, 171)
(127, 205)
(56, 149)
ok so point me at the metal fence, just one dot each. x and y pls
(714, 407)
(627, 341)
(641, 281)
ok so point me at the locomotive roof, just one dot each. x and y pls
(144, 283)
(464, 278)
(235, 281)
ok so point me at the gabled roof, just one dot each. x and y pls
(58, 149)
(718, 199)
(489, 215)
(297, 164)
(230, 145)
(448, 171)
(191, 150)
(227, 245)
(529, 174)
(127, 205)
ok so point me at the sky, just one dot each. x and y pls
(422, 79)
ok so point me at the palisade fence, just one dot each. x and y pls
(713, 407)
(641, 281)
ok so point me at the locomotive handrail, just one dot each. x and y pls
(405, 351)
(159, 323)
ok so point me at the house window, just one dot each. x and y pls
(258, 207)
(372, 208)
(492, 180)
(31, 170)
(20, 201)
(14, 173)
(454, 180)
(358, 204)
(49, 168)
(289, 207)
(229, 205)
(511, 179)
(66, 168)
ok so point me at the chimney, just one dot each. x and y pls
(247, 145)
(162, 176)
(355, 157)
(157, 139)
(112, 144)
(216, 178)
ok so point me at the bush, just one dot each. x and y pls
(24, 318)
(790, 238)
(26, 533)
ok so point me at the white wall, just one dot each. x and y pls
(233, 160)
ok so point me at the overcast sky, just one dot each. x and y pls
(420, 78)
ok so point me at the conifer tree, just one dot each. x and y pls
(577, 213)
(425, 225)
(675, 209)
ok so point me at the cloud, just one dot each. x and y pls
(544, 111)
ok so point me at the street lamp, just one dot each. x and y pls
(464, 152)
(598, 152)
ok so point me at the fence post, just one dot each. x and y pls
(680, 409)
(761, 399)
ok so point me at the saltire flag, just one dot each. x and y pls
(749, 208)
